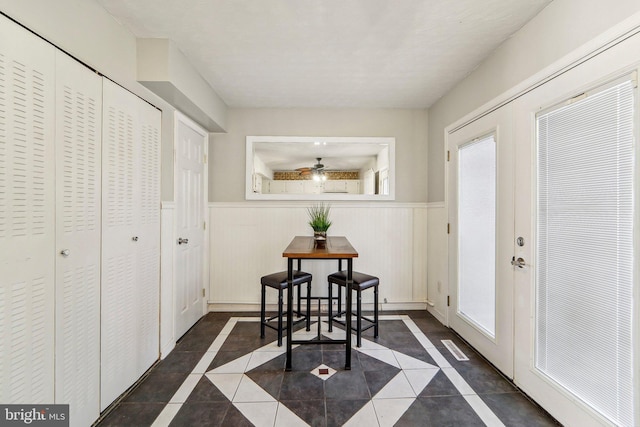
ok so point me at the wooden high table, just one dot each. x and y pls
(303, 247)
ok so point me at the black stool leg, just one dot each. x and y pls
(280, 317)
(262, 312)
(359, 319)
(308, 306)
(299, 296)
(330, 309)
(339, 300)
(375, 311)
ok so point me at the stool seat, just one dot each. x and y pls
(279, 280)
(360, 280)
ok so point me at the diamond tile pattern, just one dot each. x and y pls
(401, 378)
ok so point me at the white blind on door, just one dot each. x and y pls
(585, 249)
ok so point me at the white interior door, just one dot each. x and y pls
(78, 230)
(481, 236)
(191, 195)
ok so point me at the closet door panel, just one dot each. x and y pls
(27, 230)
(148, 260)
(78, 175)
(120, 244)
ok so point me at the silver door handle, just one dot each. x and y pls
(181, 241)
(65, 252)
(518, 262)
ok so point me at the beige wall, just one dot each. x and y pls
(409, 127)
(557, 31)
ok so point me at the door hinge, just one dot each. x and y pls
(204, 225)
(203, 292)
(448, 301)
(448, 156)
(448, 228)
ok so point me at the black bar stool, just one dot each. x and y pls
(360, 283)
(278, 281)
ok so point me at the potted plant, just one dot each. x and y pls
(319, 221)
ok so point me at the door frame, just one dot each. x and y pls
(179, 117)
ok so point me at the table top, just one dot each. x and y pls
(336, 247)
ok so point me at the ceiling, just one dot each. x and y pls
(329, 53)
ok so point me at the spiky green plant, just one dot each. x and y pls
(319, 217)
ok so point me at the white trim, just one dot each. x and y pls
(249, 167)
(435, 205)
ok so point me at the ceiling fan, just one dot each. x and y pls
(315, 169)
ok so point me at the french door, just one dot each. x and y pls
(481, 236)
(576, 178)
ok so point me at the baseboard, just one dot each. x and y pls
(234, 307)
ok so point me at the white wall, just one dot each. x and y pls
(557, 31)
(409, 127)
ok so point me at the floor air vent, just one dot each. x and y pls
(457, 353)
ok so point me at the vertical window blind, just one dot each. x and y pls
(584, 272)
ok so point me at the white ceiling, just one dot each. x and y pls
(329, 53)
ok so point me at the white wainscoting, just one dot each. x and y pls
(167, 243)
(247, 240)
(437, 254)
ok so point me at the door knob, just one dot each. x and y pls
(134, 238)
(65, 252)
(518, 262)
(182, 241)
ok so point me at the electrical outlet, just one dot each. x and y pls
(385, 301)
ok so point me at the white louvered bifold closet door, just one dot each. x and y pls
(130, 240)
(148, 226)
(27, 230)
(78, 175)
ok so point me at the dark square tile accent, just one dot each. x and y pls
(157, 387)
(449, 411)
(132, 414)
(514, 409)
(337, 359)
(306, 360)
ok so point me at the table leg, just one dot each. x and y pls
(347, 365)
(289, 312)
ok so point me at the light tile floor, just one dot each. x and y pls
(222, 374)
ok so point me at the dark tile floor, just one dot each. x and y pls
(222, 373)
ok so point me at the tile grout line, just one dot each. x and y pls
(477, 404)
